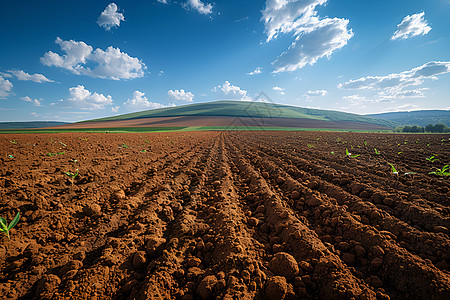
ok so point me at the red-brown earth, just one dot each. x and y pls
(224, 215)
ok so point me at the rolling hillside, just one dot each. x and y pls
(249, 110)
(420, 117)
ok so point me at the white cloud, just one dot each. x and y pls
(399, 81)
(5, 87)
(258, 70)
(279, 90)
(199, 6)
(115, 109)
(36, 102)
(328, 36)
(111, 64)
(232, 90)
(314, 38)
(403, 107)
(181, 95)
(413, 25)
(316, 93)
(21, 75)
(140, 102)
(85, 99)
(162, 1)
(110, 17)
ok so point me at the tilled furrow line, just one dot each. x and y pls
(321, 274)
(412, 239)
(430, 220)
(373, 254)
(111, 247)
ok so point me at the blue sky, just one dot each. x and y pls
(78, 60)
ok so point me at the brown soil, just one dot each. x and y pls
(224, 215)
(195, 121)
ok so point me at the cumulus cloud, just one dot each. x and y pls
(5, 87)
(83, 98)
(279, 90)
(181, 95)
(258, 70)
(327, 37)
(398, 85)
(21, 75)
(314, 37)
(35, 102)
(140, 102)
(204, 9)
(110, 64)
(316, 93)
(413, 25)
(110, 17)
(232, 90)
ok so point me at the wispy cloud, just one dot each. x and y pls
(110, 17)
(24, 76)
(36, 102)
(279, 90)
(110, 63)
(313, 94)
(411, 26)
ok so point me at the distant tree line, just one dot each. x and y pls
(438, 128)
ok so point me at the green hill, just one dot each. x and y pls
(249, 109)
(419, 118)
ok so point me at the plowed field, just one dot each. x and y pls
(224, 215)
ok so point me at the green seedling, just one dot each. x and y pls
(399, 152)
(365, 144)
(432, 159)
(317, 139)
(64, 145)
(10, 156)
(332, 152)
(5, 228)
(54, 154)
(441, 172)
(376, 151)
(428, 145)
(124, 146)
(310, 146)
(144, 151)
(393, 169)
(349, 154)
(13, 142)
(72, 175)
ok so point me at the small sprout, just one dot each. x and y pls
(432, 159)
(441, 172)
(64, 145)
(5, 228)
(73, 175)
(332, 152)
(399, 152)
(393, 169)
(365, 143)
(144, 151)
(349, 154)
(124, 146)
(13, 142)
(317, 139)
(428, 145)
(376, 151)
(10, 156)
(310, 146)
(54, 154)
